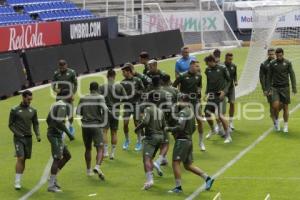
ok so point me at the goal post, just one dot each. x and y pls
(272, 27)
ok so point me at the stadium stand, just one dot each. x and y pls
(31, 11)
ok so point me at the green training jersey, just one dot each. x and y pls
(189, 83)
(59, 111)
(113, 93)
(134, 89)
(21, 119)
(280, 74)
(173, 91)
(232, 69)
(67, 76)
(93, 109)
(185, 126)
(263, 73)
(144, 78)
(218, 79)
(153, 120)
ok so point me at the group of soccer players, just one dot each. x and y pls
(157, 106)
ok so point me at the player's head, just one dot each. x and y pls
(62, 65)
(127, 70)
(152, 65)
(210, 61)
(94, 86)
(166, 79)
(228, 58)
(144, 57)
(271, 53)
(185, 52)
(194, 66)
(217, 54)
(111, 74)
(27, 97)
(183, 99)
(279, 53)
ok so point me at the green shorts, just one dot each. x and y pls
(215, 107)
(166, 139)
(183, 151)
(131, 110)
(281, 94)
(23, 147)
(90, 135)
(151, 144)
(112, 121)
(58, 147)
(231, 95)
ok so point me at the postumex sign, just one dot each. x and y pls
(29, 36)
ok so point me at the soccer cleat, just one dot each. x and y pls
(18, 186)
(57, 185)
(148, 185)
(158, 169)
(112, 156)
(89, 172)
(138, 146)
(202, 146)
(285, 129)
(277, 127)
(105, 154)
(164, 162)
(231, 126)
(126, 145)
(210, 134)
(228, 140)
(100, 173)
(209, 182)
(176, 190)
(54, 189)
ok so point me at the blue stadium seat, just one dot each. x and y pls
(6, 10)
(29, 2)
(37, 8)
(12, 19)
(62, 15)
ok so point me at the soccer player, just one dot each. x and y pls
(94, 112)
(65, 78)
(56, 127)
(218, 83)
(21, 119)
(183, 147)
(134, 88)
(217, 55)
(190, 83)
(280, 73)
(144, 59)
(154, 71)
(166, 85)
(231, 67)
(183, 64)
(263, 77)
(163, 101)
(153, 122)
(113, 93)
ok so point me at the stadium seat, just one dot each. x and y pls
(6, 10)
(62, 15)
(15, 19)
(37, 8)
(30, 2)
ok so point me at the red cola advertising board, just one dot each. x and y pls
(29, 36)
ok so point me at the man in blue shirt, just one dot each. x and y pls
(183, 64)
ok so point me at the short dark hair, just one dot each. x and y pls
(65, 93)
(62, 62)
(111, 73)
(194, 62)
(26, 93)
(127, 67)
(156, 81)
(229, 54)
(210, 58)
(144, 54)
(217, 53)
(184, 48)
(94, 86)
(166, 78)
(279, 50)
(271, 49)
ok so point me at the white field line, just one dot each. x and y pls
(268, 197)
(237, 158)
(218, 196)
(45, 175)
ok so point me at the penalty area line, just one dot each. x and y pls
(237, 158)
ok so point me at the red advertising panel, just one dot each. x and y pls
(30, 36)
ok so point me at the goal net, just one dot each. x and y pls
(273, 26)
(201, 23)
